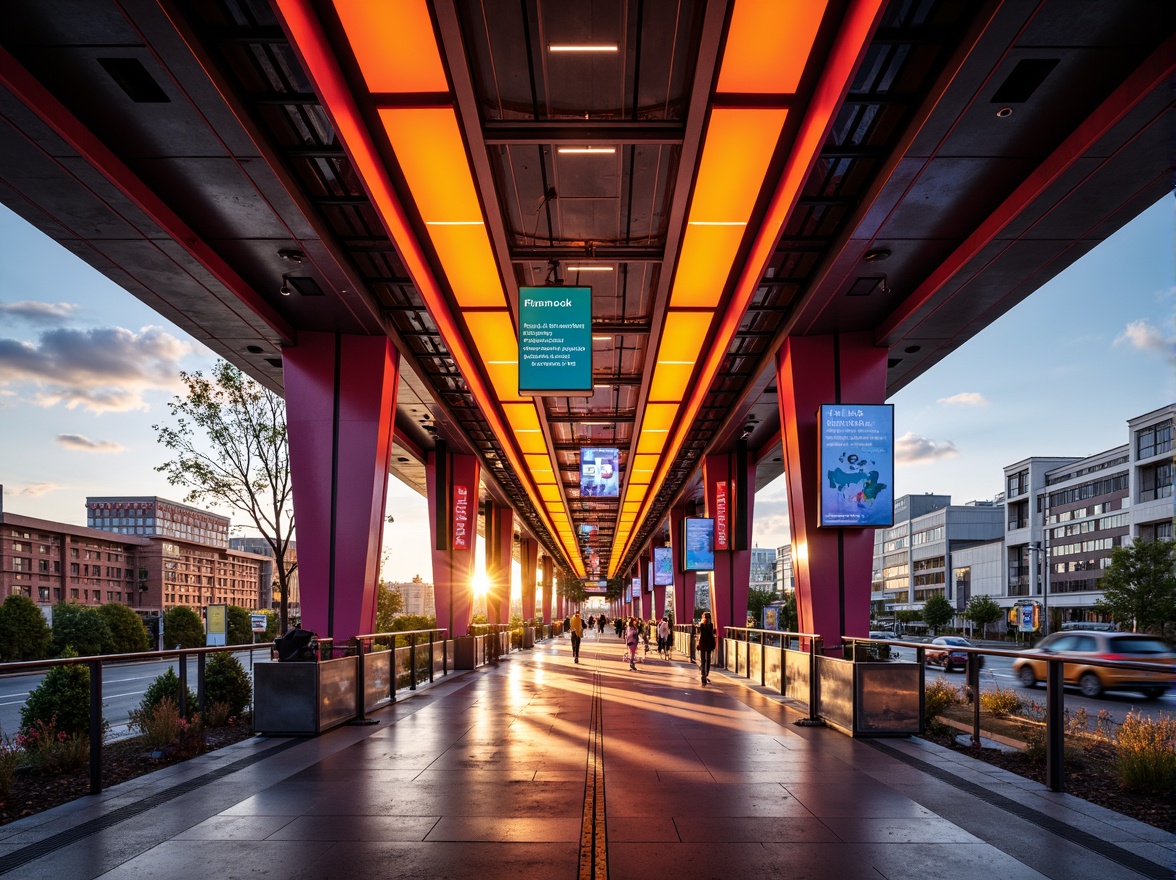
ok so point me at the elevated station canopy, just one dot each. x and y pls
(723, 176)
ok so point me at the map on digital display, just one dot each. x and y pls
(857, 465)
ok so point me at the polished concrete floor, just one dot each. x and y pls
(485, 775)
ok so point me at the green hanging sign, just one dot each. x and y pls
(555, 341)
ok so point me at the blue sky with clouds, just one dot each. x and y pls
(86, 370)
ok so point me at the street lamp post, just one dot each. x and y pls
(1039, 547)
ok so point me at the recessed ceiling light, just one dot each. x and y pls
(582, 47)
(877, 255)
(1004, 112)
(606, 151)
(588, 268)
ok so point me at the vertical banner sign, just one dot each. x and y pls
(856, 461)
(555, 341)
(216, 625)
(461, 517)
(721, 521)
(663, 566)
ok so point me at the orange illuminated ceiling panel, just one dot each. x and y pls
(768, 45)
(413, 64)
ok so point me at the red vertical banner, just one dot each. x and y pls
(461, 517)
(722, 523)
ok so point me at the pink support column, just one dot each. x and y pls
(683, 580)
(730, 497)
(499, 543)
(340, 407)
(529, 551)
(831, 566)
(645, 563)
(548, 568)
(451, 482)
(659, 601)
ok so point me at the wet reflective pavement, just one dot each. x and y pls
(541, 768)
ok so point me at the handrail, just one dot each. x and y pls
(16, 666)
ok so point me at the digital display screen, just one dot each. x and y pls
(555, 341)
(600, 472)
(856, 461)
(663, 566)
(698, 544)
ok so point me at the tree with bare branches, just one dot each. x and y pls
(230, 445)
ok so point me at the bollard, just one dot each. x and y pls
(95, 726)
(1055, 725)
(182, 662)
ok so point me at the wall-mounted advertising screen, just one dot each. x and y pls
(600, 475)
(555, 341)
(663, 566)
(856, 461)
(698, 544)
(636, 588)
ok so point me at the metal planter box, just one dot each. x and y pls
(303, 699)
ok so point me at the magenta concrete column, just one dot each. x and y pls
(451, 483)
(831, 566)
(529, 551)
(499, 543)
(732, 574)
(683, 580)
(340, 408)
(547, 565)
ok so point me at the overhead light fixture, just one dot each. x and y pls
(607, 151)
(582, 47)
(588, 269)
(284, 290)
(601, 338)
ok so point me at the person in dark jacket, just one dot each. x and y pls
(706, 646)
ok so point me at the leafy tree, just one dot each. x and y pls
(82, 628)
(757, 600)
(983, 610)
(570, 587)
(273, 623)
(1139, 587)
(128, 633)
(166, 685)
(789, 616)
(389, 603)
(240, 625)
(24, 632)
(225, 681)
(908, 615)
(64, 695)
(231, 448)
(183, 628)
(937, 611)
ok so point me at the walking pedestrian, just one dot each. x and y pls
(577, 627)
(706, 645)
(663, 637)
(631, 642)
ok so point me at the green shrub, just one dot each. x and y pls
(217, 714)
(240, 626)
(10, 758)
(128, 633)
(64, 695)
(51, 751)
(1000, 702)
(24, 632)
(939, 695)
(166, 685)
(159, 725)
(81, 628)
(182, 628)
(225, 681)
(1145, 751)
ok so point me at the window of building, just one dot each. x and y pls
(1155, 481)
(43, 594)
(1154, 440)
(73, 570)
(1018, 484)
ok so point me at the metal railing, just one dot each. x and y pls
(1055, 683)
(365, 644)
(780, 640)
(95, 664)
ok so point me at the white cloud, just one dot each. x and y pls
(965, 398)
(106, 369)
(1142, 335)
(910, 448)
(38, 312)
(36, 490)
(80, 443)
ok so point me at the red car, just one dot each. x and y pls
(940, 653)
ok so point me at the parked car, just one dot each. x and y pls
(884, 634)
(940, 653)
(1093, 680)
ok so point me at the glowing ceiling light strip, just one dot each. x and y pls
(318, 60)
(585, 151)
(852, 40)
(582, 47)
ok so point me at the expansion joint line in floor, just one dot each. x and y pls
(593, 840)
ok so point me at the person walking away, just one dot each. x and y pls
(663, 637)
(631, 643)
(706, 646)
(577, 634)
(600, 622)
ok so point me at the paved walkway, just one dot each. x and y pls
(544, 769)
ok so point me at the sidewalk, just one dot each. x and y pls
(490, 774)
